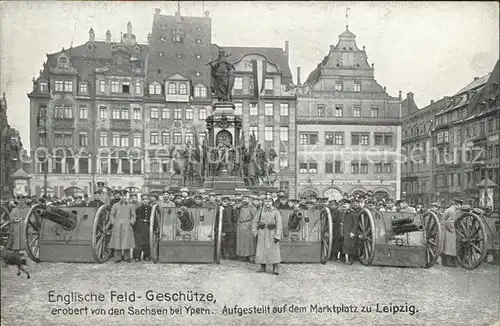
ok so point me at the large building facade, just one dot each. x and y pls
(348, 127)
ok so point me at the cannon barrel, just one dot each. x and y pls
(408, 228)
(400, 221)
(59, 216)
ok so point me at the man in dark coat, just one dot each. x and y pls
(350, 225)
(282, 203)
(337, 216)
(141, 229)
(228, 230)
(96, 202)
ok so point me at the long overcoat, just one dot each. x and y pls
(245, 241)
(141, 226)
(337, 215)
(350, 225)
(267, 251)
(449, 245)
(18, 217)
(122, 218)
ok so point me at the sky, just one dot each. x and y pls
(432, 49)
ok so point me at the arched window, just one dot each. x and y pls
(200, 91)
(381, 194)
(57, 161)
(155, 88)
(309, 192)
(84, 162)
(182, 89)
(358, 192)
(172, 89)
(103, 163)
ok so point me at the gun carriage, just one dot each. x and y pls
(68, 234)
(185, 235)
(399, 239)
(5, 227)
(307, 236)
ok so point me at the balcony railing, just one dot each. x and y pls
(349, 120)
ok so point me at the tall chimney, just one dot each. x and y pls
(476, 78)
(432, 101)
(298, 76)
(409, 96)
(287, 49)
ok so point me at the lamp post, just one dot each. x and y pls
(41, 123)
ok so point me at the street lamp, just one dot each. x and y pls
(41, 123)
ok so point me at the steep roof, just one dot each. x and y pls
(474, 84)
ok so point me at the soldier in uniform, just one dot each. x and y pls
(134, 200)
(449, 250)
(404, 207)
(141, 229)
(123, 218)
(350, 225)
(178, 200)
(245, 241)
(18, 216)
(79, 201)
(228, 230)
(282, 203)
(267, 226)
(338, 227)
(302, 202)
(198, 201)
(256, 202)
(167, 201)
(116, 197)
(96, 200)
(103, 196)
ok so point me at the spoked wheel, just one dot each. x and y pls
(218, 236)
(32, 231)
(326, 235)
(366, 237)
(155, 233)
(471, 236)
(5, 228)
(432, 229)
(101, 234)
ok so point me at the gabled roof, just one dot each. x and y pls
(347, 33)
(474, 84)
(20, 174)
(101, 50)
(486, 183)
(177, 77)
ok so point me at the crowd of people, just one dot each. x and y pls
(251, 223)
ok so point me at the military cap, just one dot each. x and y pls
(390, 200)
(303, 197)
(380, 202)
(123, 192)
(144, 196)
(362, 196)
(184, 189)
(178, 194)
(284, 196)
(201, 191)
(346, 201)
(355, 200)
(198, 196)
(133, 195)
(213, 193)
(78, 197)
(268, 198)
(225, 197)
(166, 191)
(458, 201)
(333, 201)
(281, 192)
(295, 201)
(97, 192)
(345, 194)
(155, 196)
(369, 193)
(100, 184)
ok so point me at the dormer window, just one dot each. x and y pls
(182, 89)
(43, 86)
(63, 62)
(200, 91)
(84, 88)
(172, 89)
(155, 88)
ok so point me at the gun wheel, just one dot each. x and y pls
(366, 237)
(326, 235)
(471, 237)
(218, 237)
(432, 229)
(101, 234)
(32, 230)
(155, 233)
(6, 228)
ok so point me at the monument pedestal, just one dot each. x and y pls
(224, 184)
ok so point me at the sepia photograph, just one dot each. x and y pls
(249, 163)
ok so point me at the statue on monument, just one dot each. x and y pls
(222, 77)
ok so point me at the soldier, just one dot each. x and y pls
(404, 207)
(96, 200)
(282, 203)
(302, 202)
(18, 216)
(256, 202)
(167, 201)
(211, 197)
(198, 201)
(178, 200)
(310, 205)
(389, 205)
(228, 229)
(350, 225)
(122, 218)
(267, 227)
(449, 250)
(134, 200)
(338, 228)
(103, 196)
(79, 201)
(245, 241)
(116, 197)
(141, 229)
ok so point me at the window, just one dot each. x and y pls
(84, 112)
(172, 89)
(138, 88)
(284, 133)
(359, 168)
(254, 109)
(334, 138)
(58, 112)
(482, 126)
(254, 130)
(354, 168)
(285, 187)
(116, 140)
(338, 167)
(284, 109)
(84, 88)
(357, 86)
(320, 110)
(357, 112)
(63, 62)
(201, 137)
(360, 139)
(329, 167)
(387, 168)
(124, 114)
(374, 112)
(313, 167)
(383, 139)
(116, 113)
(177, 39)
(268, 133)
(160, 54)
(445, 136)
(339, 111)
(489, 152)
(308, 138)
(182, 89)
(202, 114)
(68, 86)
(177, 138)
(103, 139)
(269, 108)
(102, 86)
(43, 86)
(177, 113)
(378, 168)
(68, 139)
(115, 87)
(338, 86)
(137, 140)
(125, 87)
(153, 138)
(153, 113)
(165, 138)
(165, 113)
(269, 84)
(303, 167)
(155, 89)
(103, 112)
(124, 140)
(189, 114)
(83, 139)
(189, 137)
(250, 85)
(238, 108)
(59, 85)
(238, 83)
(200, 91)
(137, 114)
(68, 112)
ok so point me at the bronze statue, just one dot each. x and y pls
(222, 77)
